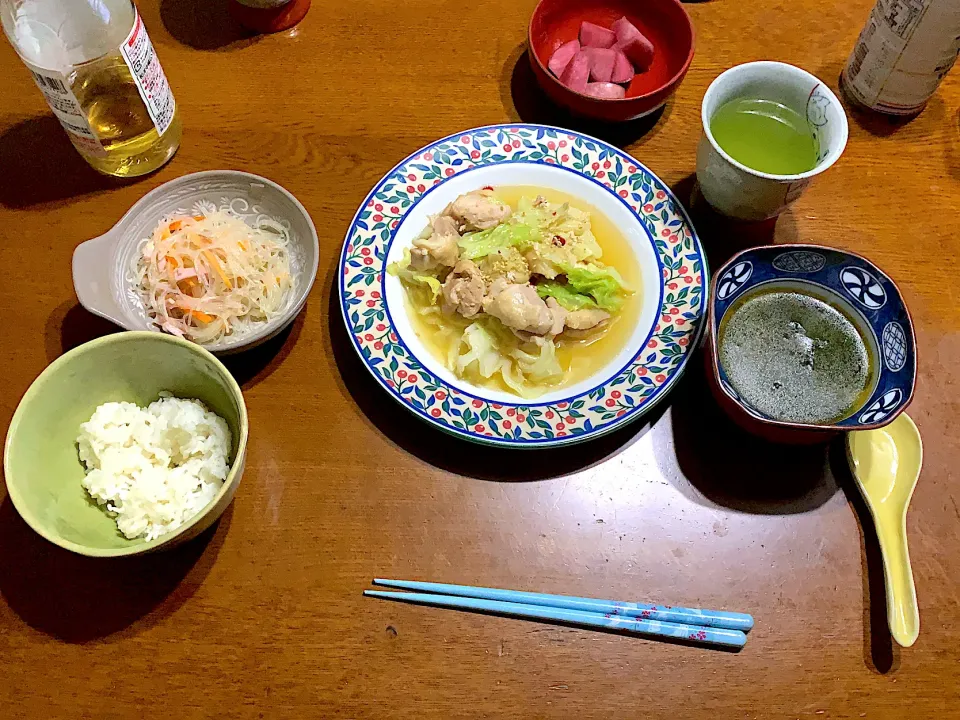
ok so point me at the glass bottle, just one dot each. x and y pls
(97, 69)
(903, 53)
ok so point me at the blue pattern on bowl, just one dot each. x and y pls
(866, 288)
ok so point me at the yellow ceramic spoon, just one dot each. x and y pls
(886, 464)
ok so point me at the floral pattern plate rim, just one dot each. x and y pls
(468, 411)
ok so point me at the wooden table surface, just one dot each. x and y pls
(263, 617)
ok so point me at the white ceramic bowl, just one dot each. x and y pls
(103, 267)
(545, 176)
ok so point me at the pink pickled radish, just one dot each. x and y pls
(605, 91)
(601, 63)
(634, 44)
(577, 72)
(595, 36)
(562, 57)
(622, 69)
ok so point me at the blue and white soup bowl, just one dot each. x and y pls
(868, 297)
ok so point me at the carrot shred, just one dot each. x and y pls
(201, 316)
(216, 266)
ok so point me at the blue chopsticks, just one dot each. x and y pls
(709, 627)
(664, 613)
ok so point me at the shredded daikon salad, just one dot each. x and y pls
(207, 277)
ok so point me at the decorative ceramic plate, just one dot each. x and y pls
(672, 271)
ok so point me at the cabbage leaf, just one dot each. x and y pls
(565, 296)
(480, 244)
(603, 284)
(401, 269)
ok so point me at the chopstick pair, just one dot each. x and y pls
(708, 627)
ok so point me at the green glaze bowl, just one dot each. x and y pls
(42, 468)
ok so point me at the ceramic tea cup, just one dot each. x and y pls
(741, 192)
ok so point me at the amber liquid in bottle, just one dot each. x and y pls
(109, 97)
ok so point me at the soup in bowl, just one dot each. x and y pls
(807, 341)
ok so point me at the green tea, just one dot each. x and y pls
(794, 358)
(765, 136)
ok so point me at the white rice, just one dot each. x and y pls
(153, 469)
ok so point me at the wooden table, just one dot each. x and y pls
(263, 617)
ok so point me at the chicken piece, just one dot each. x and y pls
(463, 290)
(477, 210)
(505, 263)
(519, 308)
(440, 248)
(443, 225)
(497, 287)
(586, 319)
(559, 316)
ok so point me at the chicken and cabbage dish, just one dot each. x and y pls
(513, 297)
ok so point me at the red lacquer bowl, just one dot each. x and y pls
(269, 19)
(664, 22)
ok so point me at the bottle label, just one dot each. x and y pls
(904, 51)
(56, 90)
(138, 53)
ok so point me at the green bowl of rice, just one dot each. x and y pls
(47, 481)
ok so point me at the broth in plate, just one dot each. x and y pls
(578, 357)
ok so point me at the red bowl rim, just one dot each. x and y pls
(714, 357)
(673, 80)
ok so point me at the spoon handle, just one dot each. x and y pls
(902, 613)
